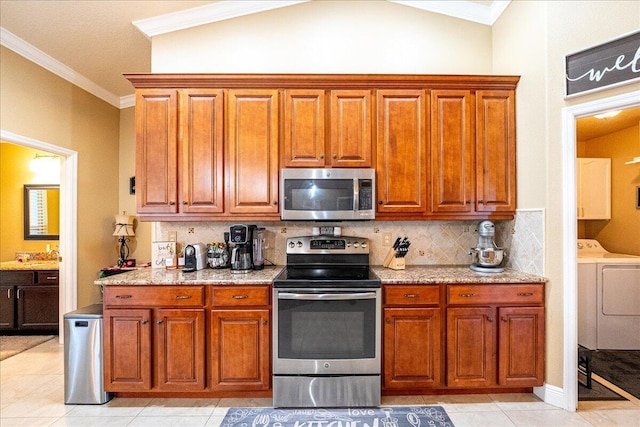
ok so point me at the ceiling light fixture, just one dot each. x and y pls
(607, 115)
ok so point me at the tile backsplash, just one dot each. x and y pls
(432, 242)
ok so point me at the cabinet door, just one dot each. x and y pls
(180, 349)
(496, 151)
(304, 128)
(127, 349)
(253, 151)
(240, 350)
(201, 148)
(37, 307)
(402, 156)
(521, 346)
(471, 353)
(351, 119)
(156, 151)
(452, 151)
(594, 188)
(7, 307)
(412, 348)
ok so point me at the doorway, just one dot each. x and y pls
(570, 235)
(68, 213)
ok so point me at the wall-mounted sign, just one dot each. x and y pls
(610, 64)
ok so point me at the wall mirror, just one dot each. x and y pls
(41, 212)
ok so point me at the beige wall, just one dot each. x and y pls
(536, 51)
(15, 173)
(621, 234)
(35, 103)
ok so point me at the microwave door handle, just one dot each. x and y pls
(356, 194)
(327, 297)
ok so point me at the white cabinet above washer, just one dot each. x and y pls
(594, 188)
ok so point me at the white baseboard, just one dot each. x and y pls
(552, 395)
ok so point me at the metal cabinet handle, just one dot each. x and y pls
(183, 296)
(184, 202)
(412, 295)
(525, 294)
(335, 156)
(52, 277)
(481, 202)
(18, 293)
(9, 293)
(388, 321)
(124, 296)
(159, 322)
(240, 296)
(322, 156)
(467, 295)
(145, 321)
(505, 320)
(264, 322)
(172, 203)
(490, 319)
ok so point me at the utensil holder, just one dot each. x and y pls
(393, 262)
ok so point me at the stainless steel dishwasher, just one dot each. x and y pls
(83, 357)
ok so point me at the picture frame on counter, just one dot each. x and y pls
(162, 254)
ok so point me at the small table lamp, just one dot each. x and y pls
(124, 230)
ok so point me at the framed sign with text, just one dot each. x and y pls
(610, 64)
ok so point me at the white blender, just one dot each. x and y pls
(487, 257)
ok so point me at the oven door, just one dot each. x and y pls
(331, 331)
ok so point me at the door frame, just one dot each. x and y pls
(68, 243)
(570, 234)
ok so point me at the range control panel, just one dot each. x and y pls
(327, 244)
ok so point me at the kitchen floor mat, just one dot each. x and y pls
(390, 416)
(619, 367)
(598, 392)
(10, 345)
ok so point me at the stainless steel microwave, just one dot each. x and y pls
(327, 194)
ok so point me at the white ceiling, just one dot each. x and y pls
(92, 43)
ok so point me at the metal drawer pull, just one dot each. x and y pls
(124, 296)
(467, 295)
(525, 294)
(240, 296)
(183, 296)
(412, 295)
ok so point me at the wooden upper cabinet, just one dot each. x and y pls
(304, 128)
(351, 121)
(253, 151)
(496, 151)
(201, 148)
(402, 151)
(452, 151)
(156, 150)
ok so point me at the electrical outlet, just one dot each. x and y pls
(386, 239)
(191, 230)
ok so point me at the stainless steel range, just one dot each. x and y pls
(326, 326)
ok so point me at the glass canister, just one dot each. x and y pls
(258, 248)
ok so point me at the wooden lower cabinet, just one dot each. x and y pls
(29, 301)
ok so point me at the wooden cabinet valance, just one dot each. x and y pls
(210, 146)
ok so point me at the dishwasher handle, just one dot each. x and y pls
(327, 296)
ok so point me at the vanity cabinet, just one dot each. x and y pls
(29, 300)
(495, 335)
(240, 338)
(412, 337)
(154, 338)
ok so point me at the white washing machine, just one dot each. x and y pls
(608, 298)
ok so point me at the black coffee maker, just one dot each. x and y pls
(240, 237)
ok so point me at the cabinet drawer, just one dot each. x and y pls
(47, 277)
(9, 277)
(403, 295)
(240, 296)
(495, 294)
(164, 296)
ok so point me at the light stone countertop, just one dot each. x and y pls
(452, 274)
(29, 265)
(411, 275)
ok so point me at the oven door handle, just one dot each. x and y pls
(328, 296)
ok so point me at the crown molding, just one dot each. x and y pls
(35, 55)
(467, 10)
(207, 14)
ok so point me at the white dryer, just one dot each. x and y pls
(608, 298)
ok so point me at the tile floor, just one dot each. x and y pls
(32, 394)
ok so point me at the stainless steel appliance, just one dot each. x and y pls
(83, 357)
(195, 257)
(242, 252)
(327, 194)
(487, 257)
(326, 327)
